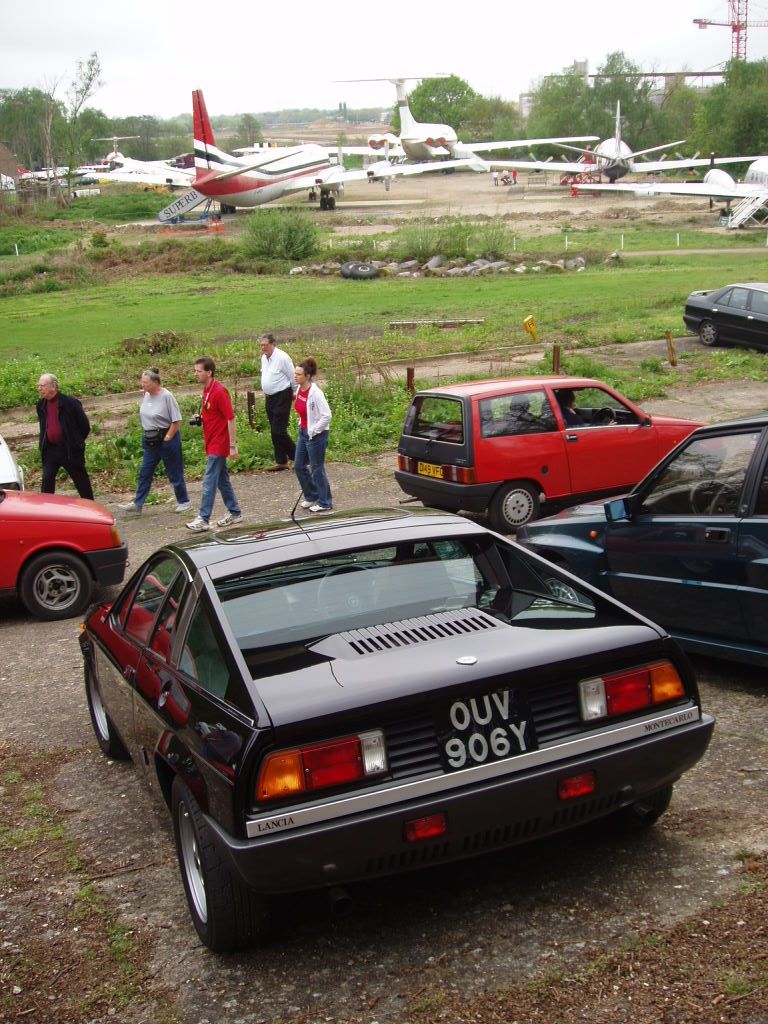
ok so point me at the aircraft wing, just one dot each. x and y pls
(645, 166)
(713, 189)
(382, 169)
(173, 176)
(487, 147)
(563, 166)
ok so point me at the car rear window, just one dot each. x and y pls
(276, 613)
(760, 302)
(526, 412)
(436, 418)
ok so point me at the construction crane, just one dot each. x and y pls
(738, 23)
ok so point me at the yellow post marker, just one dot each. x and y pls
(529, 325)
(671, 354)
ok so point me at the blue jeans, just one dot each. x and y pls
(216, 477)
(309, 466)
(170, 453)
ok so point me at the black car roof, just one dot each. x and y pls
(753, 422)
(307, 536)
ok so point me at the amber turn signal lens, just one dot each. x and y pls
(666, 684)
(281, 776)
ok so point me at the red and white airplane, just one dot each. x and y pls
(262, 177)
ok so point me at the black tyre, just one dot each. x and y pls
(644, 813)
(331, 202)
(512, 506)
(108, 739)
(708, 333)
(55, 585)
(347, 268)
(226, 914)
(364, 271)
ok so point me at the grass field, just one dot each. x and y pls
(640, 298)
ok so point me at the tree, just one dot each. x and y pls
(678, 112)
(86, 81)
(619, 81)
(439, 101)
(248, 132)
(490, 118)
(561, 106)
(733, 117)
(23, 113)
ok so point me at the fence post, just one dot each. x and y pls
(671, 354)
(410, 379)
(622, 242)
(250, 397)
(555, 359)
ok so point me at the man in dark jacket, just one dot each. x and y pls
(64, 427)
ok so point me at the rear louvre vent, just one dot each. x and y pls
(407, 632)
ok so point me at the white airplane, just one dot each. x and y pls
(614, 159)
(262, 177)
(717, 184)
(117, 167)
(421, 141)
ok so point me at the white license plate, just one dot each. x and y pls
(479, 729)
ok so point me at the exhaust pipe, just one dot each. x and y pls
(340, 901)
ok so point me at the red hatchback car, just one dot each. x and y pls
(54, 549)
(506, 446)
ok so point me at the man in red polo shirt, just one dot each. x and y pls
(220, 437)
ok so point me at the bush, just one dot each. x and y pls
(425, 238)
(279, 234)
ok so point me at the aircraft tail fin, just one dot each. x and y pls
(407, 121)
(204, 139)
(617, 131)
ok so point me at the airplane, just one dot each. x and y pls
(614, 159)
(117, 167)
(717, 184)
(421, 141)
(261, 177)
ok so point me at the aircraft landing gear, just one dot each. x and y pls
(312, 196)
(327, 202)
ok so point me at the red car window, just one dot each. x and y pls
(148, 598)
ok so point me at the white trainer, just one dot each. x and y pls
(183, 506)
(130, 508)
(230, 519)
(198, 525)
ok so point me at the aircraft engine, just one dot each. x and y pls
(381, 141)
(435, 142)
(718, 177)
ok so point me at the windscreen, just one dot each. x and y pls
(275, 613)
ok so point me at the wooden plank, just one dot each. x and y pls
(394, 324)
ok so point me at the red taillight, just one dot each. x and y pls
(288, 773)
(628, 691)
(576, 785)
(333, 764)
(425, 828)
(459, 474)
(406, 464)
(622, 692)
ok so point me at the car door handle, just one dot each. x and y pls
(571, 437)
(130, 673)
(717, 535)
(162, 697)
(750, 318)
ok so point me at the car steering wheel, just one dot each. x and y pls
(602, 417)
(334, 599)
(710, 497)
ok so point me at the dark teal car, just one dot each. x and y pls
(687, 547)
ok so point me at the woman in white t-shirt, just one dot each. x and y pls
(160, 421)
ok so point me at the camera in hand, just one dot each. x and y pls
(196, 420)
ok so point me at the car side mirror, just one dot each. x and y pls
(618, 510)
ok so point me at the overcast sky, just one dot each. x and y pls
(256, 56)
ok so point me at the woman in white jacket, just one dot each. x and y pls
(314, 419)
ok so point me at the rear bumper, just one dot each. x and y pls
(505, 811)
(443, 494)
(108, 566)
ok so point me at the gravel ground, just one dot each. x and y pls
(667, 926)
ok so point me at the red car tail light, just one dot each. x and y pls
(619, 693)
(288, 773)
(459, 474)
(406, 464)
(575, 786)
(425, 828)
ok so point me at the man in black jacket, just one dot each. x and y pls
(64, 427)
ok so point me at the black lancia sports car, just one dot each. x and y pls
(329, 702)
(737, 313)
